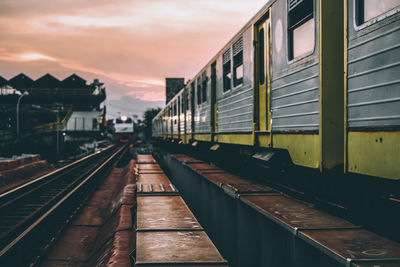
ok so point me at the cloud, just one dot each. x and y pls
(23, 57)
(131, 45)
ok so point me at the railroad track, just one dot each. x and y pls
(34, 214)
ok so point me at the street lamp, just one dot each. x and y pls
(19, 100)
(58, 125)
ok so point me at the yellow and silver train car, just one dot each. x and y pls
(319, 79)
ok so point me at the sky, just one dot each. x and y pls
(130, 45)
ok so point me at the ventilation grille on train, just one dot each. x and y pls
(227, 56)
(238, 46)
(294, 3)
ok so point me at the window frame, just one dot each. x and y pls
(204, 87)
(235, 66)
(291, 60)
(224, 91)
(359, 26)
(199, 91)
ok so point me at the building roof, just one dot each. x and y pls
(21, 81)
(74, 81)
(47, 81)
(3, 82)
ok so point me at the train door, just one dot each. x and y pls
(179, 117)
(213, 99)
(192, 107)
(185, 107)
(262, 75)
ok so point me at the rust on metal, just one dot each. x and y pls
(145, 159)
(247, 188)
(185, 158)
(224, 178)
(353, 244)
(166, 213)
(294, 214)
(203, 166)
(156, 189)
(142, 167)
(154, 178)
(150, 171)
(128, 194)
(181, 248)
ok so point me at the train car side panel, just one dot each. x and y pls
(373, 88)
(295, 81)
(202, 117)
(235, 91)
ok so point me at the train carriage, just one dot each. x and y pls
(373, 87)
(318, 79)
(124, 129)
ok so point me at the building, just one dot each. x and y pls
(48, 107)
(172, 87)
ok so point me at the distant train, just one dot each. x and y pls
(315, 78)
(124, 129)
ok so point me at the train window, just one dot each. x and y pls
(192, 94)
(261, 47)
(174, 109)
(227, 70)
(199, 91)
(369, 9)
(183, 104)
(238, 62)
(301, 28)
(187, 99)
(204, 86)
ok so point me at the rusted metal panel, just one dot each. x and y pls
(165, 213)
(156, 189)
(142, 167)
(224, 178)
(152, 178)
(202, 166)
(347, 245)
(150, 171)
(185, 158)
(145, 159)
(128, 194)
(293, 214)
(176, 248)
(239, 189)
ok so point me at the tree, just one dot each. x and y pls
(148, 116)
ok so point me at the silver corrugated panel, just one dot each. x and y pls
(188, 122)
(202, 119)
(373, 91)
(175, 125)
(295, 100)
(182, 124)
(235, 112)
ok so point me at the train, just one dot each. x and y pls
(316, 80)
(123, 129)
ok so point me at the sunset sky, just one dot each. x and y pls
(130, 45)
